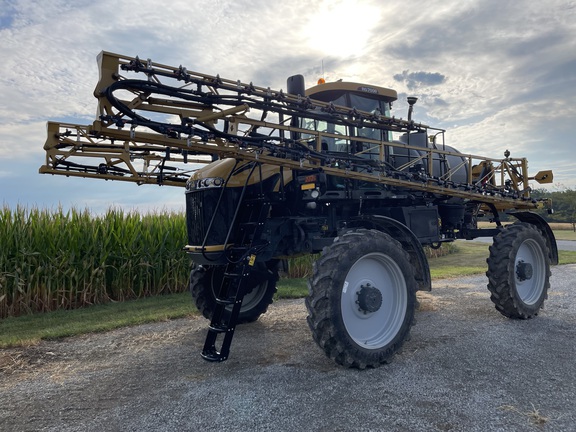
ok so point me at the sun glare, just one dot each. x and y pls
(342, 28)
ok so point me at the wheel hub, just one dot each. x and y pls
(524, 270)
(369, 299)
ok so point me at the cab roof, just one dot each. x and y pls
(333, 90)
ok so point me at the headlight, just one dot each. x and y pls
(205, 183)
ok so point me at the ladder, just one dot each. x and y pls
(234, 285)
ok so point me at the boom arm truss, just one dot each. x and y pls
(158, 130)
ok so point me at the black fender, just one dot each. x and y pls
(407, 238)
(540, 223)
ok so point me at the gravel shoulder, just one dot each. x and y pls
(466, 367)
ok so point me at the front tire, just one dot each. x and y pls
(362, 298)
(206, 280)
(519, 271)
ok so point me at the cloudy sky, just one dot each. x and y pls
(497, 74)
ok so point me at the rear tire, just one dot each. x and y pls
(362, 299)
(205, 280)
(519, 271)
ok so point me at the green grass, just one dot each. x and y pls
(292, 288)
(30, 329)
(566, 257)
(565, 235)
(470, 259)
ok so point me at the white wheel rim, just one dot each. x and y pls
(251, 299)
(254, 297)
(530, 289)
(373, 330)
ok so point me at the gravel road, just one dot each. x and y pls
(466, 368)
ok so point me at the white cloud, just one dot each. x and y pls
(341, 28)
(526, 130)
(508, 68)
(19, 141)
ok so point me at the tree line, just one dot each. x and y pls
(563, 203)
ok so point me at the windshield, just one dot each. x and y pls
(370, 105)
(338, 143)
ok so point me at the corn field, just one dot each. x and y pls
(62, 260)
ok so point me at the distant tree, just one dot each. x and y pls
(566, 203)
(563, 203)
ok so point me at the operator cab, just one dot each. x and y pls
(370, 99)
(345, 140)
